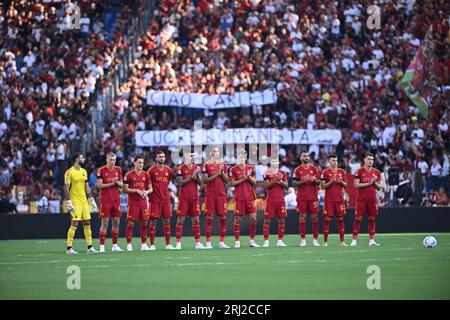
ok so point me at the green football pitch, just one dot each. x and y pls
(37, 269)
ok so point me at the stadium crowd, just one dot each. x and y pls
(329, 69)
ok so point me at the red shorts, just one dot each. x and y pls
(189, 207)
(216, 205)
(160, 209)
(109, 209)
(308, 206)
(245, 207)
(334, 208)
(275, 209)
(137, 213)
(363, 207)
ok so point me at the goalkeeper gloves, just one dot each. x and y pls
(93, 204)
(70, 205)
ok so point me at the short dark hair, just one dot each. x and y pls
(160, 152)
(75, 156)
(368, 154)
(304, 151)
(137, 157)
(332, 156)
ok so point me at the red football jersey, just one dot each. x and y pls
(112, 193)
(368, 193)
(215, 188)
(335, 191)
(276, 193)
(160, 182)
(137, 181)
(243, 191)
(190, 190)
(309, 190)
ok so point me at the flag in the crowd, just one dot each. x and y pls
(417, 82)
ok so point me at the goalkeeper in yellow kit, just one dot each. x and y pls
(77, 192)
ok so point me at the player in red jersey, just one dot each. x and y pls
(307, 178)
(367, 181)
(160, 205)
(188, 179)
(138, 186)
(275, 180)
(242, 177)
(334, 181)
(109, 180)
(214, 177)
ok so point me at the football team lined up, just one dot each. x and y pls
(153, 185)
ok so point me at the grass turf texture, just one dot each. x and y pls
(36, 269)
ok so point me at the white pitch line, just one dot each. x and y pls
(53, 261)
(207, 264)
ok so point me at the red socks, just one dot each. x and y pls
(102, 238)
(167, 233)
(114, 236)
(266, 227)
(129, 233)
(302, 229)
(371, 229)
(178, 231)
(281, 227)
(326, 229)
(152, 233)
(341, 228)
(237, 230)
(208, 229)
(144, 227)
(315, 224)
(223, 228)
(196, 230)
(356, 226)
(252, 230)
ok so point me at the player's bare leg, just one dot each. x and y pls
(88, 236)
(102, 233)
(166, 225)
(237, 231)
(281, 228)
(222, 231)
(266, 228)
(144, 230)
(70, 236)
(196, 231)
(302, 229)
(315, 223)
(252, 220)
(341, 229)
(115, 234)
(129, 234)
(179, 231)
(152, 228)
(326, 229)
(372, 232)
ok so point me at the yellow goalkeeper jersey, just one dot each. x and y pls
(76, 179)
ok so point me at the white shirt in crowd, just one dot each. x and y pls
(61, 152)
(291, 200)
(3, 128)
(436, 169)
(423, 166)
(85, 22)
(43, 205)
(354, 166)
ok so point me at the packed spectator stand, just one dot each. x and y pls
(329, 70)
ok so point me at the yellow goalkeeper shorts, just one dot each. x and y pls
(81, 212)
